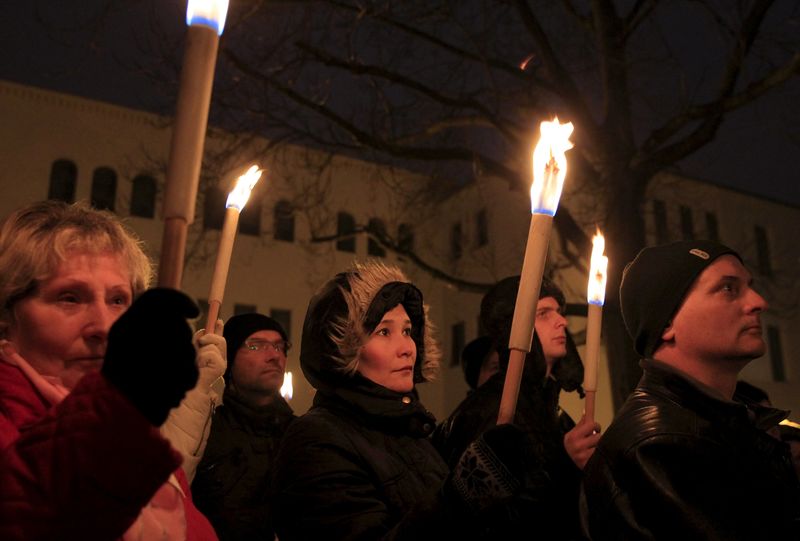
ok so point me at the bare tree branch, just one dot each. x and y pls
(407, 82)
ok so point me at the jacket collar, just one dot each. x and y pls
(273, 415)
(681, 388)
(379, 408)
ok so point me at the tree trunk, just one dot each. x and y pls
(625, 236)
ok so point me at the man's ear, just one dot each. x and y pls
(668, 334)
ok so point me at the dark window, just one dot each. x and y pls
(377, 229)
(250, 217)
(283, 223)
(143, 196)
(104, 188)
(455, 242)
(63, 178)
(405, 238)
(345, 225)
(214, 208)
(482, 228)
(284, 317)
(660, 218)
(457, 339)
(776, 353)
(687, 223)
(243, 309)
(712, 227)
(762, 248)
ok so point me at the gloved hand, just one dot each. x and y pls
(491, 469)
(150, 357)
(212, 355)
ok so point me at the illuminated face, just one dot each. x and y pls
(720, 318)
(260, 363)
(389, 355)
(62, 328)
(551, 328)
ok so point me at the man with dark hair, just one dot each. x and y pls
(684, 459)
(232, 486)
(549, 506)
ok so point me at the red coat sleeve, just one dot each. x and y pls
(83, 470)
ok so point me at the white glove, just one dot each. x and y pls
(212, 352)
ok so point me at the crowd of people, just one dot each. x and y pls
(118, 421)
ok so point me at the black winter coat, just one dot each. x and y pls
(548, 506)
(232, 486)
(677, 463)
(357, 466)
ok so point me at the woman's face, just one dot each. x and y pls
(389, 355)
(61, 329)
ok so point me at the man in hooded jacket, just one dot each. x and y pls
(549, 506)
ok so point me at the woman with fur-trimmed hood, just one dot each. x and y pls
(359, 464)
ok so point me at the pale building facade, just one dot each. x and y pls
(51, 143)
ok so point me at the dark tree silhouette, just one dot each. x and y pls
(456, 89)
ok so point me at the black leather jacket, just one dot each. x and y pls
(678, 463)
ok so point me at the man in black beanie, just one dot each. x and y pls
(232, 486)
(685, 458)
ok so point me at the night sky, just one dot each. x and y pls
(755, 151)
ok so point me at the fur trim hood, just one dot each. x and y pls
(343, 313)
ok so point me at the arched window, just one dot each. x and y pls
(481, 228)
(143, 196)
(104, 188)
(456, 242)
(345, 224)
(405, 238)
(214, 208)
(283, 226)
(250, 218)
(377, 229)
(63, 178)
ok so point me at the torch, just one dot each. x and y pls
(286, 389)
(596, 295)
(234, 205)
(206, 19)
(549, 171)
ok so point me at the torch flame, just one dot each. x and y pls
(598, 270)
(550, 166)
(244, 185)
(286, 388)
(210, 13)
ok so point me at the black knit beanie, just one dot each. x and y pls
(239, 328)
(655, 283)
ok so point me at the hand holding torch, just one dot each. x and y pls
(596, 295)
(237, 199)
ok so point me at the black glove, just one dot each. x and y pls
(491, 469)
(150, 357)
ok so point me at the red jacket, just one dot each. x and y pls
(82, 469)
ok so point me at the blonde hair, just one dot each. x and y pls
(36, 239)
